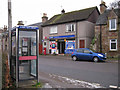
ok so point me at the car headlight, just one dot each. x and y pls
(100, 55)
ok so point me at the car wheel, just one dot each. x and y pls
(74, 58)
(95, 59)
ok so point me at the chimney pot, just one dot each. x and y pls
(63, 11)
(20, 23)
(44, 18)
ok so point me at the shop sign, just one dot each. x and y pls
(67, 36)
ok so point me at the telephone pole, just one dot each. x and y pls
(9, 30)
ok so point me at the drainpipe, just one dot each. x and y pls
(76, 34)
(100, 38)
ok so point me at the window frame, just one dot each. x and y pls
(110, 22)
(44, 44)
(70, 28)
(53, 30)
(111, 45)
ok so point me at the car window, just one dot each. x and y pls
(80, 50)
(86, 51)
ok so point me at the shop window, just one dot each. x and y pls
(113, 44)
(112, 24)
(53, 30)
(70, 27)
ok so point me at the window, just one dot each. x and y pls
(53, 30)
(45, 43)
(70, 27)
(86, 51)
(80, 50)
(112, 24)
(113, 44)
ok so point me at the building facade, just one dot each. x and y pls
(67, 31)
(107, 31)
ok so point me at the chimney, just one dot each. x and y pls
(20, 23)
(102, 6)
(63, 11)
(44, 18)
(5, 28)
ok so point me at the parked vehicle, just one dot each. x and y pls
(87, 54)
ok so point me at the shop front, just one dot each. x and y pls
(61, 44)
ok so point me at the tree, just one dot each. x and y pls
(114, 4)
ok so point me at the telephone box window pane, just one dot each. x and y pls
(27, 43)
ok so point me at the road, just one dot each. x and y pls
(103, 73)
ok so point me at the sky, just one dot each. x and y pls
(31, 11)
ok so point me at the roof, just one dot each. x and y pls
(36, 24)
(102, 19)
(70, 16)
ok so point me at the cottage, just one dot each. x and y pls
(107, 31)
(67, 31)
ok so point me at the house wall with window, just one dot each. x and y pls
(109, 34)
(68, 31)
(85, 31)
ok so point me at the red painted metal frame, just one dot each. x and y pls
(27, 57)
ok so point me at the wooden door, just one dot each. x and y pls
(81, 43)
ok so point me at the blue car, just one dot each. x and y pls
(87, 54)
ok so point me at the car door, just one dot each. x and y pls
(87, 55)
(80, 53)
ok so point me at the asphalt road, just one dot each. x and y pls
(103, 73)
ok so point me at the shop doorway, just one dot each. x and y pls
(61, 47)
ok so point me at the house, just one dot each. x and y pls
(39, 25)
(107, 31)
(67, 31)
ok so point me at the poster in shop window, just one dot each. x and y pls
(70, 46)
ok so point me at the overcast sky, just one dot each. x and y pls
(31, 11)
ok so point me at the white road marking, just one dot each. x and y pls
(111, 86)
(77, 82)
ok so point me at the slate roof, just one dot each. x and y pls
(102, 19)
(70, 16)
(36, 24)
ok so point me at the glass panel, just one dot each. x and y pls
(33, 67)
(13, 57)
(27, 54)
(113, 24)
(86, 51)
(113, 45)
(27, 43)
(80, 50)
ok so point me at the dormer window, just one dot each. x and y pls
(112, 24)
